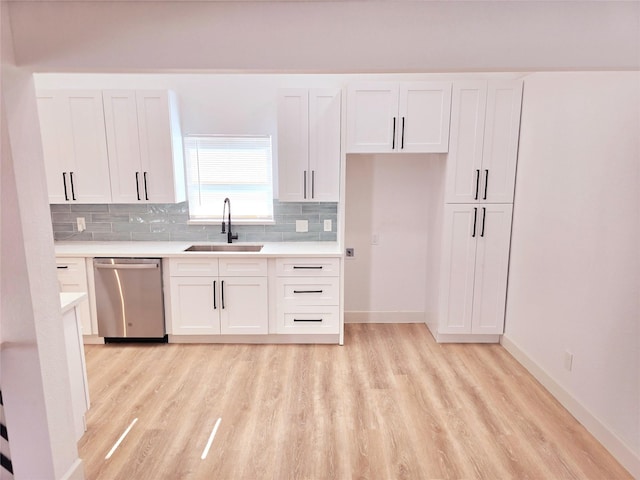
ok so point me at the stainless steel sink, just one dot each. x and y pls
(224, 248)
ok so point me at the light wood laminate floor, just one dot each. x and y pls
(390, 404)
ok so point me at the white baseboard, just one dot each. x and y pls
(384, 317)
(625, 455)
(75, 472)
(299, 338)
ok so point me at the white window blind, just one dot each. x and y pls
(238, 167)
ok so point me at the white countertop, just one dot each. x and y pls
(68, 300)
(176, 249)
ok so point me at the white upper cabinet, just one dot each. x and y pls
(145, 146)
(309, 145)
(485, 126)
(398, 117)
(74, 146)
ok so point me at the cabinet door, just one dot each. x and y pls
(76, 371)
(244, 308)
(458, 268)
(161, 154)
(121, 119)
(324, 145)
(194, 306)
(72, 277)
(54, 159)
(74, 146)
(293, 145)
(372, 117)
(424, 114)
(492, 263)
(464, 162)
(86, 145)
(500, 152)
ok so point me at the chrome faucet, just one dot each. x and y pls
(230, 236)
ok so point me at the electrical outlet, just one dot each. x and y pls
(327, 225)
(302, 226)
(350, 252)
(82, 226)
(568, 360)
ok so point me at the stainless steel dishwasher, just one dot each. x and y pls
(129, 299)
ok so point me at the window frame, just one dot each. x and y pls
(213, 214)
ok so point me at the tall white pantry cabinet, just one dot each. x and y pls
(480, 181)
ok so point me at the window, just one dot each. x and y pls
(238, 167)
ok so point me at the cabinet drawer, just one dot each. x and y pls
(193, 267)
(72, 277)
(242, 267)
(293, 292)
(308, 267)
(309, 320)
(69, 268)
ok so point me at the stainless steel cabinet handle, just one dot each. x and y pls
(477, 183)
(475, 221)
(64, 182)
(222, 293)
(307, 319)
(146, 190)
(486, 182)
(313, 184)
(484, 216)
(307, 291)
(73, 192)
(214, 295)
(402, 136)
(138, 185)
(127, 266)
(315, 267)
(62, 266)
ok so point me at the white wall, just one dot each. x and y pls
(574, 280)
(389, 196)
(35, 384)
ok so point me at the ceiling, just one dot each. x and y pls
(339, 36)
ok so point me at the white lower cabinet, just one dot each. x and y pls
(72, 277)
(474, 268)
(192, 306)
(218, 296)
(76, 368)
(244, 306)
(308, 295)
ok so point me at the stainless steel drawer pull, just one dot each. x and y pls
(307, 291)
(318, 267)
(127, 266)
(307, 319)
(62, 266)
